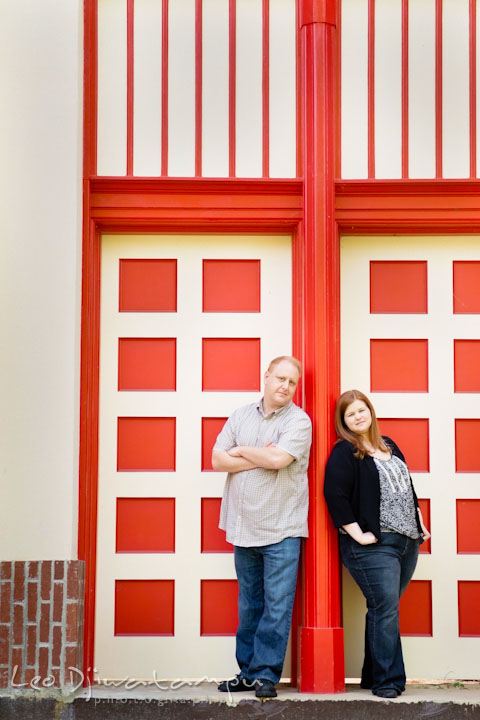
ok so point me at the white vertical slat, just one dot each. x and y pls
(282, 131)
(388, 89)
(354, 89)
(112, 88)
(215, 98)
(147, 123)
(249, 89)
(456, 100)
(421, 86)
(181, 88)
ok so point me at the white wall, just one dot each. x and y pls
(40, 275)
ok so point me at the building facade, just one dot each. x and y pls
(190, 188)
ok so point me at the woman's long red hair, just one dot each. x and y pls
(343, 433)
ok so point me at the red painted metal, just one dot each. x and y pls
(321, 666)
(164, 87)
(404, 88)
(473, 88)
(232, 84)
(265, 87)
(438, 88)
(371, 88)
(198, 87)
(130, 85)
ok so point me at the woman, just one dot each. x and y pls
(371, 499)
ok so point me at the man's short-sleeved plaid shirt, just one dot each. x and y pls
(260, 506)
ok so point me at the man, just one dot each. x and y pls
(265, 447)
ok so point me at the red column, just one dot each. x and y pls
(321, 638)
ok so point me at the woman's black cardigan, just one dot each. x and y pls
(352, 487)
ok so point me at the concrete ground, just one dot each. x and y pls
(202, 701)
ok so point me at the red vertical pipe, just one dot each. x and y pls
(130, 76)
(232, 75)
(198, 87)
(88, 453)
(321, 638)
(438, 89)
(371, 88)
(404, 88)
(164, 87)
(266, 87)
(473, 88)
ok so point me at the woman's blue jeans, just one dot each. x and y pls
(267, 578)
(382, 571)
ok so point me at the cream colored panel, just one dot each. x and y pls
(181, 88)
(444, 655)
(187, 654)
(421, 86)
(456, 101)
(283, 125)
(477, 61)
(112, 88)
(249, 89)
(354, 89)
(147, 122)
(215, 93)
(388, 89)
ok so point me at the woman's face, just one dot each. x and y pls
(358, 417)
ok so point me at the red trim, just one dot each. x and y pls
(198, 87)
(164, 87)
(90, 83)
(438, 88)
(298, 80)
(265, 87)
(473, 88)
(413, 206)
(232, 84)
(404, 88)
(130, 85)
(371, 88)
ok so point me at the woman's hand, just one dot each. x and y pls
(356, 532)
(368, 538)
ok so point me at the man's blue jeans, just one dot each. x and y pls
(382, 571)
(267, 578)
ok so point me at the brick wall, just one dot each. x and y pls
(41, 623)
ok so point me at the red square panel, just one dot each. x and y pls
(210, 429)
(146, 443)
(219, 607)
(467, 365)
(468, 605)
(231, 364)
(398, 286)
(467, 443)
(466, 286)
(213, 539)
(468, 527)
(145, 525)
(147, 363)
(399, 365)
(231, 286)
(426, 547)
(144, 607)
(148, 286)
(416, 609)
(411, 436)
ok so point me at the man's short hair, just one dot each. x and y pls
(289, 358)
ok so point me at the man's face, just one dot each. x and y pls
(280, 384)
